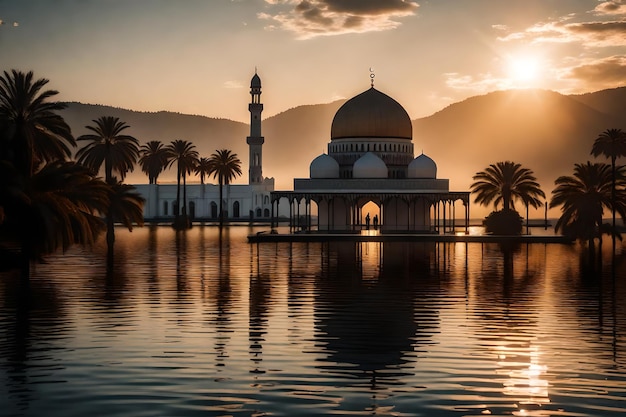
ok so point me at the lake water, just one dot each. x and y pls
(185, 326)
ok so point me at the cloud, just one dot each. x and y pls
(600, 27)
(312, 18)
(483, 83)
(603, 73)
(599, 34)
(233, 84)
(615, 7)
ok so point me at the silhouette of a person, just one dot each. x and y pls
(375, 221)
(367, 221)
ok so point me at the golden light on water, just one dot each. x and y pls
(526, 378)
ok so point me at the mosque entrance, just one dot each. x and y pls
(370, 216)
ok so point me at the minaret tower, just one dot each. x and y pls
(255, 140)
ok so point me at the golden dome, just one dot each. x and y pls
(371, 114)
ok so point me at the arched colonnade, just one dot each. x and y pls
(399, 211)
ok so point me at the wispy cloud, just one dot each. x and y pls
(479, 84)
(589, 33)
(615, 7)
(599, 74)
(232, 84)
(312, 18)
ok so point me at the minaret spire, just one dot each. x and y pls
(255, 140)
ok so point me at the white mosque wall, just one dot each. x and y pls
(243, 202)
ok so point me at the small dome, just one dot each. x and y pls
(256, 81)
(324, 166)
(422, 167)
(369, 166)
(371, 114)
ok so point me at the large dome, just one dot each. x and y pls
(371, 114)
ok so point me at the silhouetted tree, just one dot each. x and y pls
(203, 169)
(504, 183)
(126, 206)
(612, 144)
(31, 133)
(107, 145)
(117, 151)
(225, 166)
(153, 159)
(584, 197)
(56, 207)
(46, 202)
(184, 154)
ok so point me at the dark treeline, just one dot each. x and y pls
(49, 201)
(583, 196)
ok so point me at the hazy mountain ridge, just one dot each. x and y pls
(610, 101)
(545, 131)
(208, 134)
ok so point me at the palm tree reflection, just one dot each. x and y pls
(28, 338)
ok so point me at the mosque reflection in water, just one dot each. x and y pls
(343, 325)
(369, 318)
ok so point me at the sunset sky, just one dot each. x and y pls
(197, 56)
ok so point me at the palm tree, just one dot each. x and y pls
(118, 152)
(505, 182)
(225, 166)
(584, 197)
(612, 144)
(153, 159)
(203, 169)
(46, 202)
(31, 133)
(57, 206)
(184, 154)
(126, 207)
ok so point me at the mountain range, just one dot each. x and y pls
(543, 130)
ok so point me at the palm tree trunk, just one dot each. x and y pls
(109, 218)
(613, 197)
(185, 218)
(110, 234)
(221, 180)
(177, 211)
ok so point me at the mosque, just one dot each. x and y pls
(242, 202)
(371, 159)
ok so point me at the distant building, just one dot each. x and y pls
(241, 202)
(370, 159)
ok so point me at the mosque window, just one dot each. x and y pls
(165, 207)
(258, 212)
(236, 209)
(266, 200)
(266, 213)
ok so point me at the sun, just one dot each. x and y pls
(523, 70)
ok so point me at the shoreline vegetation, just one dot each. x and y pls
(51, 200)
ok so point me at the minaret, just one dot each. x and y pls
(255, 140)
